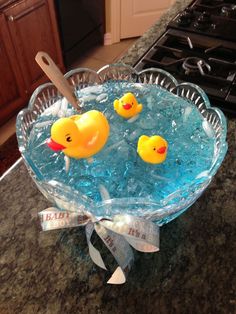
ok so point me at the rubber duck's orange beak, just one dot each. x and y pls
(127, 106)
(161, 150)
(54, 145)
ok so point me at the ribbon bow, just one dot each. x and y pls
(118, 234)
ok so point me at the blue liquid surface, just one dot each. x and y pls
(118, 169)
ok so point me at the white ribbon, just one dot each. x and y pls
(117, 234)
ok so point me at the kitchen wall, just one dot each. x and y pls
(108, 15)
(131, 18)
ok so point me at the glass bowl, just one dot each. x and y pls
(64, 197)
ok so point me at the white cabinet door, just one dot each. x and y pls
(138, 15)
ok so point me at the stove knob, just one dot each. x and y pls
(189, 12)
(212, 2)
(204, 17)
(184, 19)
(203, 22)
(229, 11)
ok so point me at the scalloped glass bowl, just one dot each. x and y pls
(67, 198)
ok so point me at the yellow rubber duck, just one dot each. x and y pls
(152, 149)
(127, 106)
(80, 136)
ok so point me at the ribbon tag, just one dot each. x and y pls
(142, 234)
(117, 234)
(93, 252)
(121, 251)
(52, 218)
(118, 247)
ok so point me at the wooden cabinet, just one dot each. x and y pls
(26, 27)
(12, 87)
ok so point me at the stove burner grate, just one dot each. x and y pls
(202, 60)
(215, 18)
(196, 65)
(229, 11)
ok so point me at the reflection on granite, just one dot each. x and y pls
(51, 272)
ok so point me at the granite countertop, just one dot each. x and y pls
(51, 272)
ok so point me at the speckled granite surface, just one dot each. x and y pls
(194, 272)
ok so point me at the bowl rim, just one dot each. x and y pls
(174, 88)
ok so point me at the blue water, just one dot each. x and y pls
(117, 168)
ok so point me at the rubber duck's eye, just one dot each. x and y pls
(68, 139)
(154, 148)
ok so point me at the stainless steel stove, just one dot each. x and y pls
(207, 17)
(199, 46)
